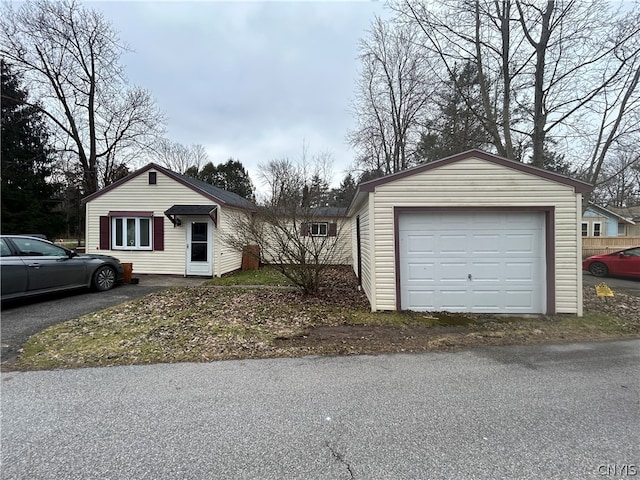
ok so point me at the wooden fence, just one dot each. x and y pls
(599, 245)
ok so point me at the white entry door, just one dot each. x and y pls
(200, 247)
(483, 262)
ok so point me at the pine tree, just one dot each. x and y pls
(28, 199)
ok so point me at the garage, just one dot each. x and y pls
(472, 261)
(473, 232)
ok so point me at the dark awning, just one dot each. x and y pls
(192, 210)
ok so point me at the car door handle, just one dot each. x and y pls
(34, 265)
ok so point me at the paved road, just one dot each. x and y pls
(21, 319)
(535, 412)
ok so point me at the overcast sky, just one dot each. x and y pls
(249, 80)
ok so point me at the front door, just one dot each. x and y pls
(200, 247)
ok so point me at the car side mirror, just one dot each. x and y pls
(71, 253)
(621, 255)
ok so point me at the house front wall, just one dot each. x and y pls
(476, 183)
(138, 195)
(608, 225)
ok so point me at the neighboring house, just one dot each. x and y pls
(631, 214)
(470, 233)
(598, 221)
(164, 223)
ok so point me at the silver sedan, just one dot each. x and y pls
(31, 266)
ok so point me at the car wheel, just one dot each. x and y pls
(598, 269)
(104, 278)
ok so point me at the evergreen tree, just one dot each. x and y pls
(342, 196)
(28, 200)
(456, 127)
(230, 176)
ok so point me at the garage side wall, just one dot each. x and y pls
(137, 195)
(477, 183)
(366, 253)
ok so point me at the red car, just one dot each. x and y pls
(625, 263)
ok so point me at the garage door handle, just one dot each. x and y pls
(469, 277)
(34, 265)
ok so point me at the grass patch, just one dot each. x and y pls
(265, 276)
(204, 324)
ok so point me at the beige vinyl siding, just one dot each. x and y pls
(226, 259)
(477, 183)
(343, 248)
(366, 251)
(137, 195)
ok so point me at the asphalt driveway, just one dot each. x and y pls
(545, 411)
(21, 319)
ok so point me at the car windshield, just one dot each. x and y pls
(33, 247)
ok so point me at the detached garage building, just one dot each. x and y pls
(470, 233)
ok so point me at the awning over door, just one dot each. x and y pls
(191, 210)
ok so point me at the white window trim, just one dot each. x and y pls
(593, 229)
(318, 225)
(584, 232)
(137, 246)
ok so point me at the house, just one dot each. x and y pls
(316, 233)
(164, 223)
(632, 215)
(598, 221)
(473, 232)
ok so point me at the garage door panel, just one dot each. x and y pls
(420, 244)
(454, 299)
(420, 299)
(451, 244)
(502, 251)
(485, 244)
(452, 272)
(486, 271)
(422, 272)
(486, 300)
(519, 272)
(520, 243)
(519, 300)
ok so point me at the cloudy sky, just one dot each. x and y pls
(249, 80)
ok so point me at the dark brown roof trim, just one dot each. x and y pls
(579, 186)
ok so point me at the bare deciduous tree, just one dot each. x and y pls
(391, 94)
(178, 157)
(561, 72)
(69, 56)
(296, 237)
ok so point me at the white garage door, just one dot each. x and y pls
(483, 262)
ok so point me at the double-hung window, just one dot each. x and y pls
(319, 229)
(131, 233)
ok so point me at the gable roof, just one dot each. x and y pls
(630, 213)
(609, 213)
(218, 195)
(370, 186)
